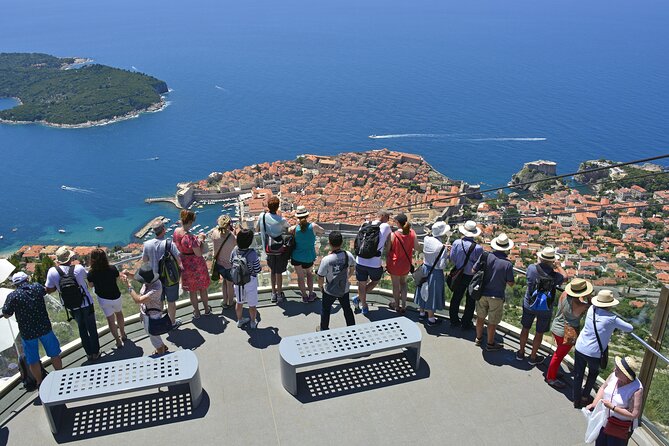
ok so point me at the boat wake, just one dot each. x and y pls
(218, 87)
(410, 135)
(506, 139)
(76, 189)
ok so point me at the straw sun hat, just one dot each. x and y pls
(548, 254)
(627, 366)
(64, 254)
(301, 212)
(604, 299)
(579, 288)
(502, 243)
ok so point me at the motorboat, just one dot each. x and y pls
(62, 231)
(373, 136)
(99, 228)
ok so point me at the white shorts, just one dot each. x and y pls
(248, 294)
(110, 306)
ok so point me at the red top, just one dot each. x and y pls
(185, 242)
(399, 259)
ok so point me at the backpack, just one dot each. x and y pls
(544, 292)
(71, 292)
(27, 378)
(276, 246)
(341, 275)
(366, 244)
(477, 283)
(168, 267)
(240, 273)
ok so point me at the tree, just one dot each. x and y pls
(41, 269)
(511, 217)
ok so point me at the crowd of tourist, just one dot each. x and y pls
(170, 264)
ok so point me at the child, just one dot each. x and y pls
(334, 270)
(247, 293)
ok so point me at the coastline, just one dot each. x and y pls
(153, 108)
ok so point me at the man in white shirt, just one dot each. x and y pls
(369, 270)
(271, 224)
(85, 314)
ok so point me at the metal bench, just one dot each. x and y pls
(348, 342)
(96, 381)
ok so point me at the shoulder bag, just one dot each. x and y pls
(455, 273)
(615, 427)
(419, 277)
(604, 358)
(570, 333)
(160, 326)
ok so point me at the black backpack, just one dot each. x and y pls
(168, 267)
(366, 243)
(478, 281)
(543, 295)
(27, 378)
(71, 292)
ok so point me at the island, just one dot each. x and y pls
(73, 92)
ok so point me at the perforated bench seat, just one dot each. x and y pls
(347, 342)
(112, 378)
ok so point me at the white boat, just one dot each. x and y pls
(62, 231)
(206, 227)
(155, 158)
(373, 136)
(99, 228)
(15, 229)
(1, 237)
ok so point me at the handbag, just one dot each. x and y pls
(158, 326)
(420, 277)
(596, 419)
(604, 358)
(215, 275)
(615, 427)
(454, 273)
(412, 269)
(570, 333)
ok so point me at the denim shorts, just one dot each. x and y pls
(362, 273)
(31, 347)
(224, 272)
(543, 320)
(171, 293)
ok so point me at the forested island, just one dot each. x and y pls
(69, 92)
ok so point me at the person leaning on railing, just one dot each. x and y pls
(399, 261)
(224, 240)
(571, 310)
(622, 395)
(304, 253)
(592, 344)
(103, 276)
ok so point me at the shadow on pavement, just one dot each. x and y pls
(128, 414)
(359, 376)
(294, 307)
(264, 337)
(128, 351)
(213, 324)
(186, 338)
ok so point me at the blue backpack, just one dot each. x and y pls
(544, 292)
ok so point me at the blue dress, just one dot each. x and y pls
(435, 287)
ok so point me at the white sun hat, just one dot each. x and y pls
(502, 243)
(470, 229)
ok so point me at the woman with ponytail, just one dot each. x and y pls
(304, 253)
(399, 262)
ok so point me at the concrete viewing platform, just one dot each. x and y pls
(460, 395)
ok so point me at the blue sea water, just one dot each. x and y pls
(263, 80)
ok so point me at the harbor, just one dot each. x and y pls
(147, 227)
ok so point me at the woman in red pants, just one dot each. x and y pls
(571, 310)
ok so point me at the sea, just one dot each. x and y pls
(476, 88)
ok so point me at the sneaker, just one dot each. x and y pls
(520, 356)
(555, 383)
(538, 360)
(493, 347)
(365, 310)
(356, 302)
(422, 316)
(477, 342)
(312, 297)
(242, 322)
(177, 323)
(253, 325)
(305, 299)
(281, 297)
(274, 298)
(433, 323)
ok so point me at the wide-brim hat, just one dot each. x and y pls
(548, 254)
(6, 269)
(145, 274)
(470, 229)
(604, 299)
(223, 221)
(501, 243)
(301, 212)
(64, 254)
(440, 228)
(627, 366)
(579, 288)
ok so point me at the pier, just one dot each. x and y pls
(170, 200)
(147, 227)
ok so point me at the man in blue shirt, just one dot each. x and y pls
(460, 258)
(498, 274)
(550, 267)
(27, 303)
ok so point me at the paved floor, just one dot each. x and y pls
(461, 395)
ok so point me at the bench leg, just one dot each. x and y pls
(416, 346)
(288, 377)
(195, 385)
(53, 416)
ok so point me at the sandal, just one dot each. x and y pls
(392, 306)
(402, 310)
(207, 312)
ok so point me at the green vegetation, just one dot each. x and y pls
(51, 92)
